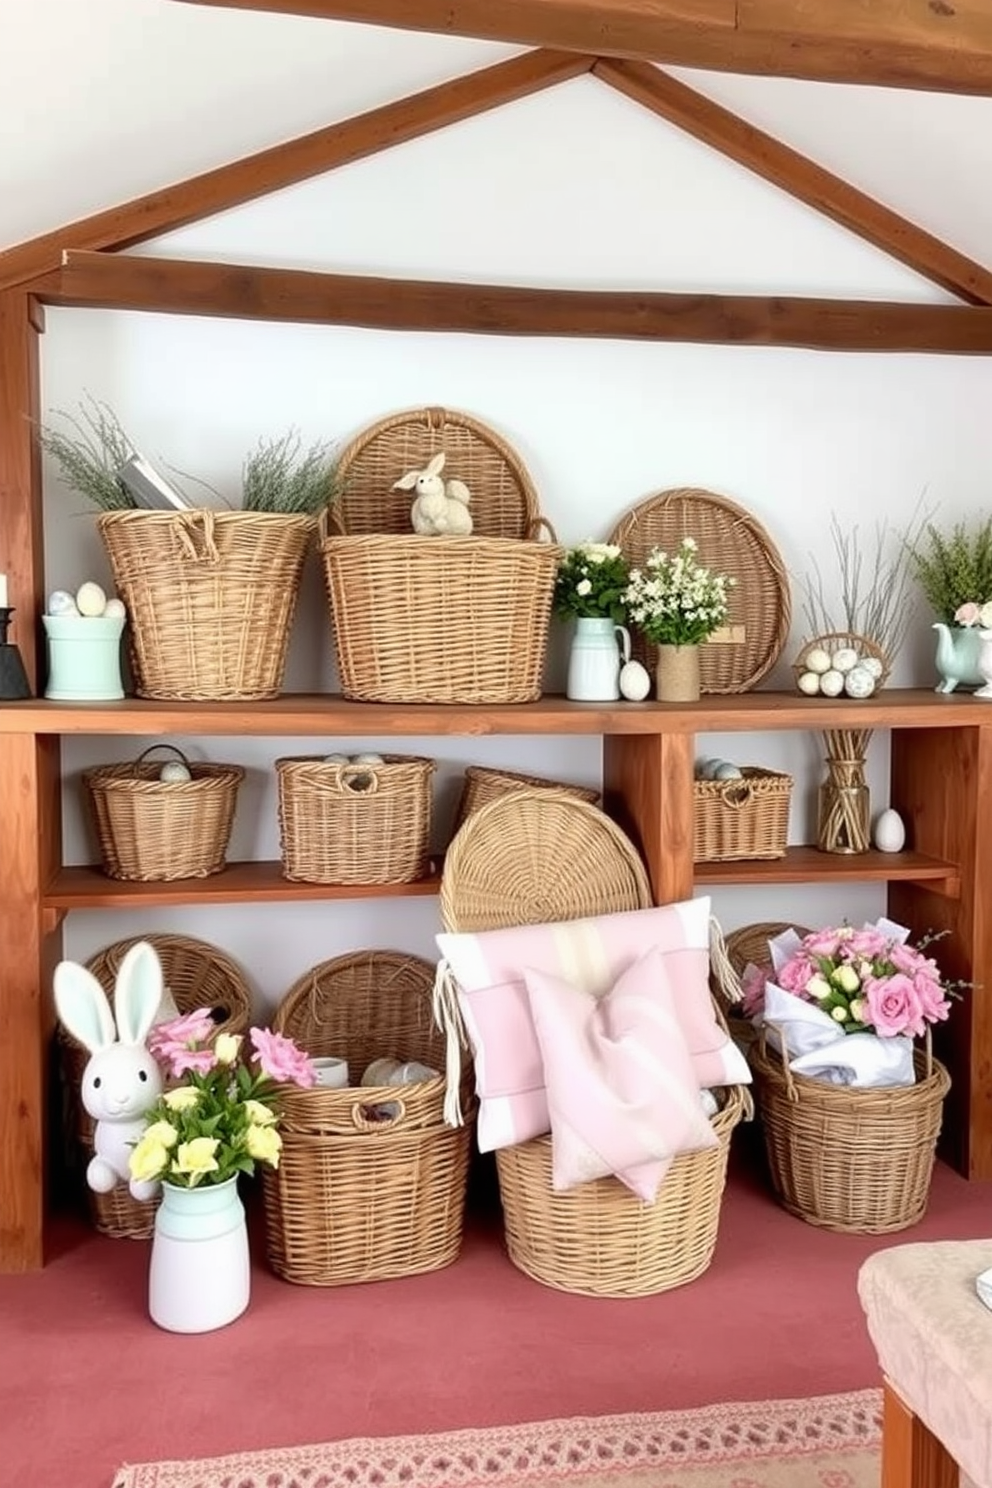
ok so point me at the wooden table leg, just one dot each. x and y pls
(912, 1457)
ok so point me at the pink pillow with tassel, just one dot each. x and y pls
(622, 1093)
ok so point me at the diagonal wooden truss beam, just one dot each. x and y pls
(799, 176)
(297, 160)
(240, 291)
(927, 44)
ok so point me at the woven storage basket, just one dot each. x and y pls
(748, 946)
(732, 542)
(740, 819)
(152, 830)
(198, 975)
(355, 823)
(355, 1198)
(437, 619)
(483, 785)
(856, 1161)
(210, 597)
(542, 856)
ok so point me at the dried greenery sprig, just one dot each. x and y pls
(278, 478)
(953, 568)
(89, 458)
(874, 584)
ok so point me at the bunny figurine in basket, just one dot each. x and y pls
(121, 1080)
(440, 507)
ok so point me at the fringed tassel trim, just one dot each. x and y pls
(448, 1017)
(721, 968)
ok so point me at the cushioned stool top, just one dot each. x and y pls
(934, 1341)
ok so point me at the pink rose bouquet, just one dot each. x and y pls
(218, 1120)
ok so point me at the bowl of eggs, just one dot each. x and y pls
(841, 665)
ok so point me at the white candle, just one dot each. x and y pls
(3, 592)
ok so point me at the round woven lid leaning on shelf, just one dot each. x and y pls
(196, 974)
(540, 856)
(732, 542)
(437, 619)
(371, 1181)
(483, 784)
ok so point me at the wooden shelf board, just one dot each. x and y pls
(810, 865)
(324, 714)
(90, 888)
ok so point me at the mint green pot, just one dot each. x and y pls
(84, 657)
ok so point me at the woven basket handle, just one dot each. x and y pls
(388, 1115)
(347, 774)
(329, 523)
(790, 1084)
(736, 793)
(195, 531)
(538, 525)
(151, 750)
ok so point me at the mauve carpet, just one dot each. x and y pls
(830, 1442)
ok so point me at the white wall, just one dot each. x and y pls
(573, 187)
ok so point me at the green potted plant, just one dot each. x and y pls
(954, 570)
(589, 589)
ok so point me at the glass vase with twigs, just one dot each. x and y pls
(844, 816)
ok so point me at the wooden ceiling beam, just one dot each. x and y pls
(799, 176)
(240, 291)
(926, 44)
(296, 160)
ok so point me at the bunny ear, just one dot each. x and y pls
(406, 482)
(138, 992)
(436, 464)
(82, 1006)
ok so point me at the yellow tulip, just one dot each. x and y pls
(194, 1159)
(264, 1143)
(148, 1160)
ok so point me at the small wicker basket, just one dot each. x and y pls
(210, 597)
(356, 823)
(846, 640)
(197, 975)
(741, 819)
(483, 785)
(437, 619)
(855, 1161)
(151, 830)
(371, 1181)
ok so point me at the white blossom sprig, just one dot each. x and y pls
(674, 600)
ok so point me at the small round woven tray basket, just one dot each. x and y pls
(156, 831)
(483, 785)
(355, 823)
(437, 619)
(730, 541)
(371, 1181)
(845, 640)
(856, 1161)
(540, 856)
(197, 975)
(210, 597)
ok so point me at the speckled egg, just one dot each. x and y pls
(61, 602)
(859, 683)
(873, 665)
(845, 659)
(174, 772)
(817, 660)
(727, 771)
(335, 759)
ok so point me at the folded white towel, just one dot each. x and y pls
(816, 1049)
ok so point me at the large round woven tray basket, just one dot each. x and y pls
(483, 785)
(856, 1161)
(437, 619)
(371, 1181)
(541, 856)
(197, 975)
(155, 831)
(210, 597)
(730, 541)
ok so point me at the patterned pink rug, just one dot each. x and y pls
(831, 1441)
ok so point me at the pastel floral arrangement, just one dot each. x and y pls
(675, 600)
(220, 1120)
(590, 583)
(970, 614)
(866, 980)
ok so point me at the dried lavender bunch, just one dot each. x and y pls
(90, 457)
(278, 478)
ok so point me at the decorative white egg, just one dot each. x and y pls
(335, 759)
(90, 599)
(845, 659)
(873, 665)
(699, 769)
(61, 602)
(817, 660)
(890, 833)
(710, 768)
(859, 683)
(634, 682)
(114, 610)
(727, 771)
(832, 683)
(809, 683)
(367, 759)
(174, 772)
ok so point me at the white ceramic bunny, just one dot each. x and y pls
(121, 1081)
(440, 507)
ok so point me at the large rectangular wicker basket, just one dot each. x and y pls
(741, 819)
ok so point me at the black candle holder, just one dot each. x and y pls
(13, 677)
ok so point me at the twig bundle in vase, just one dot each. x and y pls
(845, 802)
